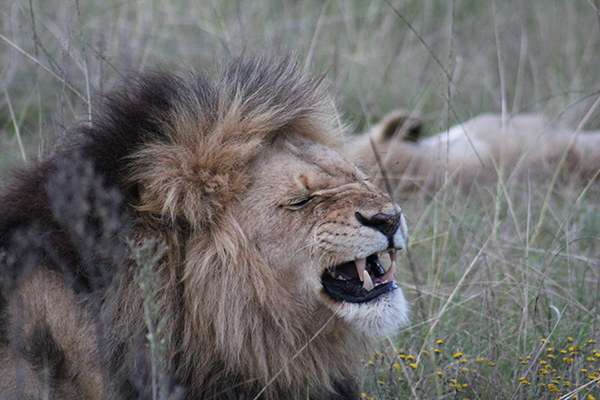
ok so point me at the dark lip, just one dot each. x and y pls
(352, 291)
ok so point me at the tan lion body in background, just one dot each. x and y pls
(279, 267)
(476, 151)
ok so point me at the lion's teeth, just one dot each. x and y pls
(389, 275)
(361, 266)
(368, 285)
(393, 255)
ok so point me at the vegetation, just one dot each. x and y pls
(504, 280)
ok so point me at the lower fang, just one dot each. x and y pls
(393, 255)
(368, 283)
(389, 275)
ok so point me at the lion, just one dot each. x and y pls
(478, 151)
(272, 256)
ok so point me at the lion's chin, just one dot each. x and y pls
(379, 317)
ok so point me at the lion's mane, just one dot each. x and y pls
(165, 157)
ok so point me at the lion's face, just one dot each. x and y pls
(329, 234)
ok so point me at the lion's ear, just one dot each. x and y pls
(401, 124)
(177, 183)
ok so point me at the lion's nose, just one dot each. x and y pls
(384, 223)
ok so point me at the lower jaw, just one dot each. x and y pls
(378, 318)
(350, 292)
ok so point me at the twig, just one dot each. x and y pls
(16, 125)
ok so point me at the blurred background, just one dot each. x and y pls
(450, 59)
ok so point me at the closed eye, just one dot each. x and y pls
(298, 204)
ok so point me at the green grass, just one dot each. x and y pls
(490, 294)
(495, 271)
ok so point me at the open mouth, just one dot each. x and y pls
(361, 280)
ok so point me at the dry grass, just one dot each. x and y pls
(498, 269)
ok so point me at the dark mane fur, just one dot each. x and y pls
(71, 214)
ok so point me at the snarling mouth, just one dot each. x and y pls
(360, 280)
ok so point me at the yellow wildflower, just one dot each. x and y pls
(457, 355)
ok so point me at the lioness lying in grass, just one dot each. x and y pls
(477, 151)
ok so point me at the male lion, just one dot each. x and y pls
(280, 260)
(475, 151)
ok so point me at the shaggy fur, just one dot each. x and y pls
(240, 178)
(478, 150)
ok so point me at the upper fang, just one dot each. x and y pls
(361, 266)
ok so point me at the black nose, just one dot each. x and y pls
(384, 223)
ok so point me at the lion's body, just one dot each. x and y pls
(478, 150)
(241, 180)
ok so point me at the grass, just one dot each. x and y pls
(507, 277)
(498, 317)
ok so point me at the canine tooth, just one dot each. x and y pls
(389, 275)
(393, 255)
(361, 265)
(368, 285)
